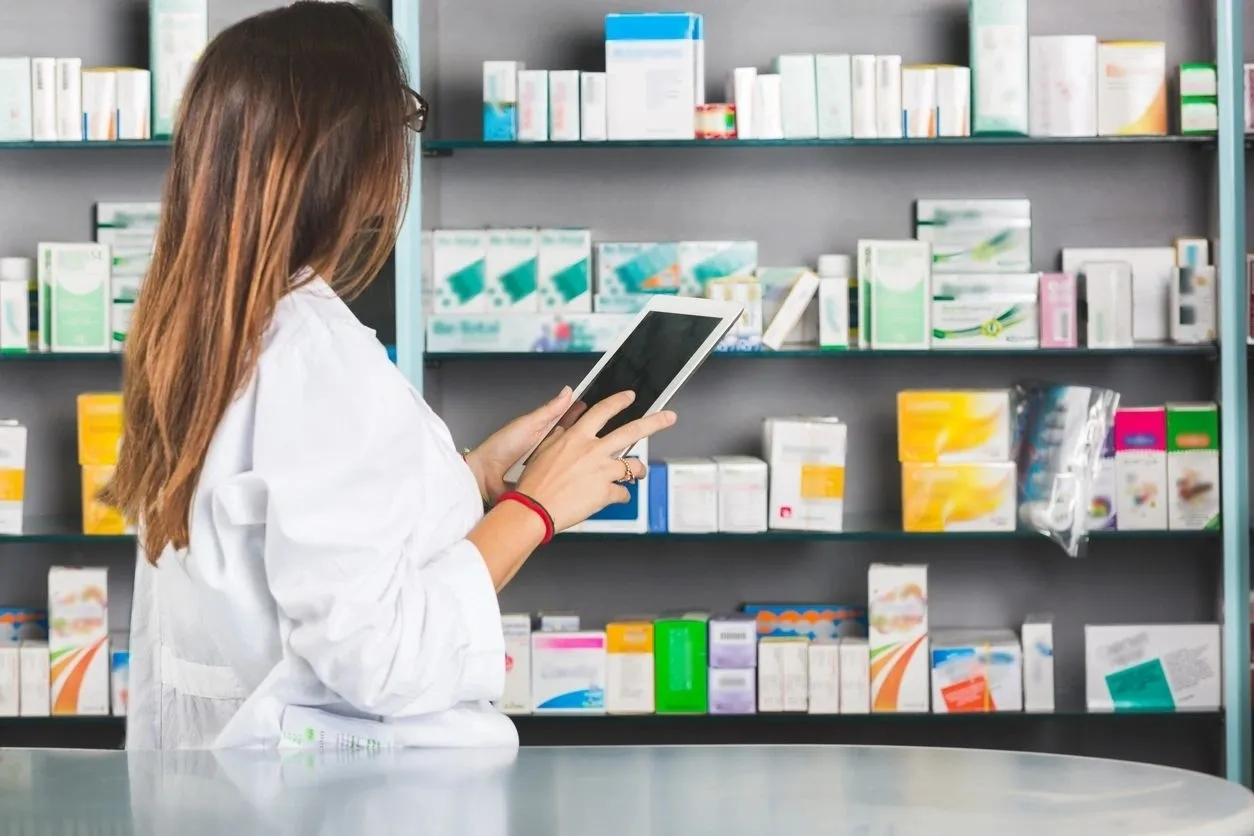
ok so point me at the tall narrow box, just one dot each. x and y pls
(692, 496)
(898, 635)
(12, 476)
(1141, 488)
(1037, 637)
(78, 640)
(855, 675)
(899, 280)
(16, 119)
(834, 89)
(14, 317)
(533, 105)
(511, 270)
(10, 681)
(1059, 326)
(119, 675)
(179, 31)
(1193, 466)
(999, 66)
(516, 698)
(1064, 85)
(742, 493)
(70, 100)
(593, 113)
(770, 676)
(825, 677)
(33, 668)
(500, 100)
(134, 96)
(43, 92)
(564, 105)
(742, 84)
(76, 295)
(655, 74)
(629, 668)
(889, 117)
(681, 658)
(799, 96)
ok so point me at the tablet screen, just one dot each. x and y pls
(651, 357)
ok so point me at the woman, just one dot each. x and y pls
(316, 559)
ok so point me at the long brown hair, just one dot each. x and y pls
(291, 151)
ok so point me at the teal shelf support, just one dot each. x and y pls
(410, 331)
(1234, 431)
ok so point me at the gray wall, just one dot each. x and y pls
(798, 203)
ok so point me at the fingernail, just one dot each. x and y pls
(564, 394)
(671, 417)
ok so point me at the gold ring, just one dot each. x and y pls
(628, 476)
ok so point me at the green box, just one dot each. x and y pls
(1199, 115)
(681, 651)
(178, 33)
(999, 67)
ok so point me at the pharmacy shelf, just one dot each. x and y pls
(446, 147)
(1210, 351)
(63, 732)
(59, 530)
(62, 356)
(83, 146)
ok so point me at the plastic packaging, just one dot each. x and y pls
(1061, 433)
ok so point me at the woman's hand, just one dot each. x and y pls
(491, 459)
(575, 474)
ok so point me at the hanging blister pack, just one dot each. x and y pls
(1061, 432)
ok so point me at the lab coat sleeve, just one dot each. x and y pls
(348, 466)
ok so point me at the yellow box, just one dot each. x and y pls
(629, 637)
(99, 428)
(99, 518)
(12, 476)
(951, 426)
(1131, 88)
(958, 497)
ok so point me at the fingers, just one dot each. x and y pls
(627, 470)
(619, 495)
(629, 434)
(553, 410)
(599, 414)
(553, 436)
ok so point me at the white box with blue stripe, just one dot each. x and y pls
(655, 75)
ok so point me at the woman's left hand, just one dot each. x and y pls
(491, 459)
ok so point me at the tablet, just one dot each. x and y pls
(668, 341)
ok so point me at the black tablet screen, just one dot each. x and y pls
(647, 362)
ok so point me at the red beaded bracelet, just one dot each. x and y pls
(539, 510)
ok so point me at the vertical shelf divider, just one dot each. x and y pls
(1234, 430)
(410, 328)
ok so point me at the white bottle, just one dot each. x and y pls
(835, 272)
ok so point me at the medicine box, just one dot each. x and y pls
(69, 78)
(809, 621)
(74, 297)
(976, 235)
(500, 100)
(559, 622)
(20, 623)
(824, 670)
(746, 333)
(976, 671)
(990, 310)
(999, 66)
(783, 675)
(806, 457)
(35, 674)
(681, 656)
(834, 95)
(125, 293)
(1193, 466)
(1132, 88)
(1038, 663)
(533, 105)
(768, 106)
(834, 313)
(564, 271)
(692, 495)
(628, 268)
(1194, 305)
(564, 106)
(1142, 496)
(593, 114)
(898, 617)
(12, 476)
(771, 676)
(788, 306)
(701, 262)
(1160, 667)
(888, 109)
(459, 265)
(14, 317)
(120, 678)
(796, 654)
(733, 691)
(16, 118)
(511, 270)
(734, 641)
(568, 672)
(1110, 304)
(953, 101)
(898, 275)
(99, 518)
(179, 32)
(742, 493)
(659, 498)
(855, 676)
(918, 101)
(655, 74)
(954, 425)
(958, 497)
(1152, 270)
(1059, 311)
(798, 96)
(516, 697)
(78, 640)
(1063, 76)
(10, 681)
(863, 107)
(630, 688)
(99, 420)
(523, 332)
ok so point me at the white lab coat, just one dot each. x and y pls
(327, 566)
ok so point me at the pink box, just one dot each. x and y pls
(1143, 428)
(1058, 310)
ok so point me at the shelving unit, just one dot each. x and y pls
(798, 199)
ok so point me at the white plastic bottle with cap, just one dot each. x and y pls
(16, 275)
(835, 284)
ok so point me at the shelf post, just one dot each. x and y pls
(1234, 432)
(410, 328)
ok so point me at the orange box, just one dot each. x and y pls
(99, 518)
(99, 428)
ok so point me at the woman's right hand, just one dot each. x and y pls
(575, 473)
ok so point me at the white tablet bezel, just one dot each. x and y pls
(726, 312)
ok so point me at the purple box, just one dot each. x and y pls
(733, 691)
(734, 642)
